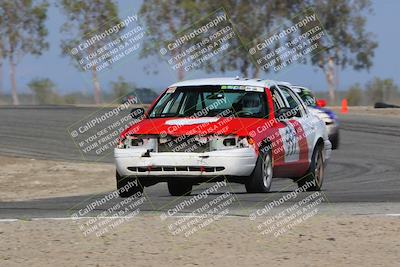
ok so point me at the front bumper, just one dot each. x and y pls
(232, 162)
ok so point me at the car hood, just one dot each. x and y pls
(194, 126)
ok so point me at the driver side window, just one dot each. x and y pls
(277, 99)
(294, 104)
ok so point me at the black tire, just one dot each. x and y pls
(261, 179)
(334, 140)
(180, 188)
(316, 171)
(122, 181)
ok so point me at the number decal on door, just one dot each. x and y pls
(290, 143)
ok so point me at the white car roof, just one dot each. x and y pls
(230, 81)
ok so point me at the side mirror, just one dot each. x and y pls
(286, 113)
(137, 113)
(321, 103)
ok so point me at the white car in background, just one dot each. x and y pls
(317, 107)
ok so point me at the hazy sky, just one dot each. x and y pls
(384, 23)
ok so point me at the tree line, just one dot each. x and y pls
(23, 31)
(373, 91)
(44, 93)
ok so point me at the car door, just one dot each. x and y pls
(309, 122)
(280, 151)
(296, 133)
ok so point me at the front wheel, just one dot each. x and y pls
(180, 188)
(312, 181)
(261, 179)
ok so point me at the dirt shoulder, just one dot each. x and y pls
(24, 178)
(145, 241)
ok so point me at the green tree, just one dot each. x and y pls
(43, 89)
(344, 21)
(121, 88)
(166, 19)
(24, 33)
(354, 47)
(382, 90)
(1, 50)
(252, 19)
(77, 98)
(354, 95)
(70, 99)
(1, 67)
(84, 20)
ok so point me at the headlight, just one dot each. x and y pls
(132, 141)
(230, 142)
(245, 141)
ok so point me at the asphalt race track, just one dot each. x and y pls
(364, 170)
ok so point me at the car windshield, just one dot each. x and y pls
(307, 98)
(210, 101)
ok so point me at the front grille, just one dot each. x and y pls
(183, 144)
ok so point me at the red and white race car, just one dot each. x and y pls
(242, 130)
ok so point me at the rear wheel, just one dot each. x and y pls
(180, 188)
(127, 186)
(261, 179)
(315, 174)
